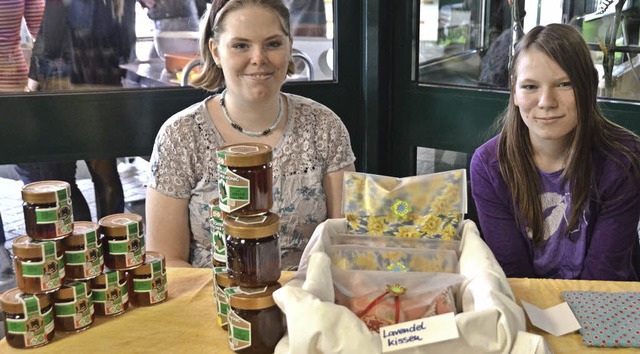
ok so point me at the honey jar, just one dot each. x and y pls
(48, 212)
(28, 319)
(110, 293)
(256, 323)
(245, 178)
(221, 281)
(74, 306)
(253, 249)
(123, 241)
(83, 251)
(39, 265)
(148, 282)
(218, 242)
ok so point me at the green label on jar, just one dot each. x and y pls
(155, 286)
(46, 215)
(50, 271)
(132, 248)
(35, 326)
(113, 298)
(239, 332)
(218, 238)
(233, 190)
(80, 309)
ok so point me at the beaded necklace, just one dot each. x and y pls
(237, 126)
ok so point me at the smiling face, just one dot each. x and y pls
(545, 98)
(254, 53)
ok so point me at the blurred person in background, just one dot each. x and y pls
(13, 66)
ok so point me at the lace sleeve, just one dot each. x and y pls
(172, 161)
(339, 152)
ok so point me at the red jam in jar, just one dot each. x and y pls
(123, 241)
(28, 319)
(218, 242)
(110, 293)
(148, 282)
(48, 212)
(74, 306)
(253, 249)
(221, 281)
(256, 323)
(83, 251)
(39, 265)
(245, 178)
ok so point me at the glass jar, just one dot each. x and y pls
(221, 281)
(256, 323)
(253, 249)
(148, 282)
(48, 212)
(218, 242)
(39, 265)
(123, 241)
(110, 293)
(83, 257)
(28, 319)
(245, 178)
(74, 306)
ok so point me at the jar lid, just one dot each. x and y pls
(101, 280)
(151, 259)
(80, 229)
(66, 290)
(222, 279)
(25, 247)
(252, 226)
(117, 224)
(10, 301)
(244, 154)
(253, 299)
(44, 192)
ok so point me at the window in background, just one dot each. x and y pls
(466, 42)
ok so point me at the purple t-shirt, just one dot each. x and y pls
(604, 245)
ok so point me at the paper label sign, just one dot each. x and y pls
(557, 320)
(418, 332)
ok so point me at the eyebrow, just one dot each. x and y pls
(275, 36)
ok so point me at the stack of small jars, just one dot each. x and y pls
(246, 249)
(60, 268)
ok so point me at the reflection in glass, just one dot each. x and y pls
(97, 45)
(467, 42)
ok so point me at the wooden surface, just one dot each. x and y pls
(545, 293)
(186, 322)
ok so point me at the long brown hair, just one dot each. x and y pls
(593, 133)
(211, 77)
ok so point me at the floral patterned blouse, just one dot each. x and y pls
(315, 142)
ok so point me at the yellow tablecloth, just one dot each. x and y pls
(545, 293)
(186, 322)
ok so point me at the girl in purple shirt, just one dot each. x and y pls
(558, 190)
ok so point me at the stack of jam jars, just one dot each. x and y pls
(39, 264)
(60, 268)
(245, 236)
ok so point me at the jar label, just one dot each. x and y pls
(218, 240)
(90, 260)
(132, 248)
(239, 332)
(50, 271)
(155, 286)
(113, 296)
(81, 309)
(35, 327)
(61, 215)
(222, 306)
(233, 189)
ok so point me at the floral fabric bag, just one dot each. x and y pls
(426, 206)
(395, 242)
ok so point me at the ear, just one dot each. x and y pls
(213, 48)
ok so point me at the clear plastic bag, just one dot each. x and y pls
(425, 206)
(395, 242)
(356, 257)
(382, 298)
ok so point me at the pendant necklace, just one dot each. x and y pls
(237, 126)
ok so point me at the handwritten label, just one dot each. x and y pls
(418, 332)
